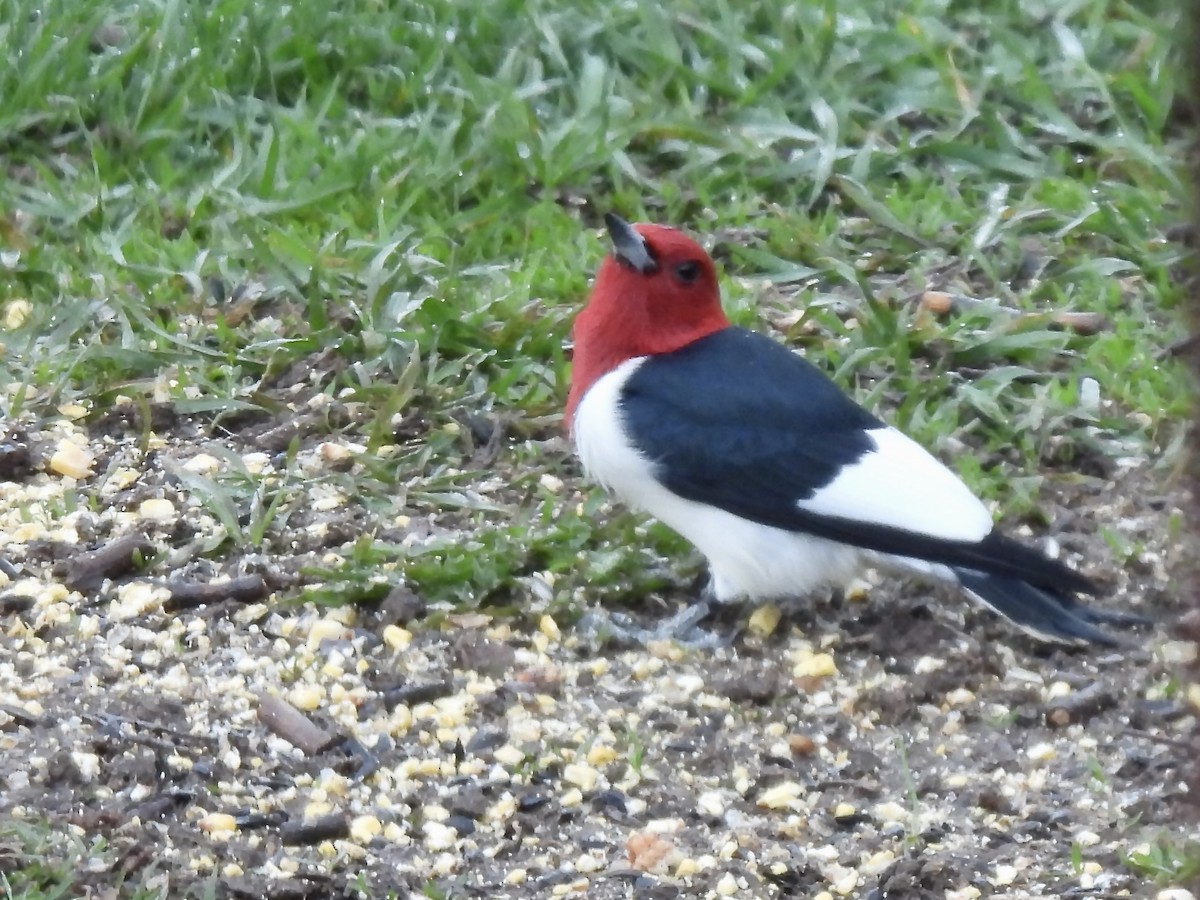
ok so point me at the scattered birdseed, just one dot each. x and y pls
(157, 509)
(764, 620)
(71, 460)
(814, 665)
(397, 638)
(784, 795)
(411, 755)
(1041, 752)
(217, 824)
(728, 885)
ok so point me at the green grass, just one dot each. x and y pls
(198, 198)
(400, 202)
(38, 863)
(1166, 861)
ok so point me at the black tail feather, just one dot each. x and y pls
(1047, 614)
(996, 553)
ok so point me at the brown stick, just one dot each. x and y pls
(327, 828)
(941, 303)
(292, 725)
(87, 571)
(1080, 705)
(190, 594)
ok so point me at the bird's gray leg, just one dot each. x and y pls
(683, 628)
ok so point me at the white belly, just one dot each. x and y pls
(747, 559)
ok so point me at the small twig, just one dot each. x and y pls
(1162, 739)
(158, 806)
(87, 571)
(412, 694)
(190, 594)
(941, 303)
(1184, 345)
(1079, 706)
(14, 603)
(20, 716)
(247, 821)
(111, 723)
(368, 762)
(293, 726)
(327, 828)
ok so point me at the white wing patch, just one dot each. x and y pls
(901, 485)
(747, 559)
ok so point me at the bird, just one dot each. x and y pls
(779, 478)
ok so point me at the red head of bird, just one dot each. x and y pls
(656, 292)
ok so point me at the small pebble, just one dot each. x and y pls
(1178, 653)
(891, 811)
(1058, 690)
(202, 464)
(88, 765)
(927, 664)
(711, 804)
(650, 852)
(877, 863)
(727, 886)
(1004, 876)
(801, 744)
(846, 884)
(256, 463)
(333, 453)
(1041, 752)
(586, 864)
(1089, 394)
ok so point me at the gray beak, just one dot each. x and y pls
(629, 247)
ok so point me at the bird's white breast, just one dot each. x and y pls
(747, 559)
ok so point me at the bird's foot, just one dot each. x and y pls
(683, 628)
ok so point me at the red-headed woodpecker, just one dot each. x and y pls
(783, 482)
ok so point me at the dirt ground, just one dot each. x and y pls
(198, 735)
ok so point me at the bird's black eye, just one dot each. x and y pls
(687, 272)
